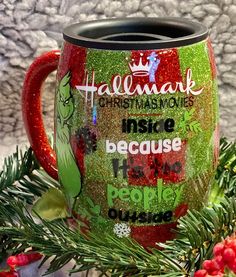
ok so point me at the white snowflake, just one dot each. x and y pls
(121, 230)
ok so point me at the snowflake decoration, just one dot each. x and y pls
(121, 230)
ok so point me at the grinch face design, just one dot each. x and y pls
(65, 98)
(68, 172)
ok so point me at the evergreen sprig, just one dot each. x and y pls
(198, 231)
(226, 171)
(21, 179)
(56, 239)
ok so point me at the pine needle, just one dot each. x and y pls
(21, 182)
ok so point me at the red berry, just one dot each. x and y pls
(12, 261)
(11, 274)
(22, 259)
(215, 273)
(232, 245)
(210, 266)
(33, 257)
(228, 255)
(218, 249)
(200, 273)
(232, 266)
(8, 274)
(219, 261)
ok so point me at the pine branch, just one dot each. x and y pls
(198, 233)
(225, 178)
(55, 238)
(226, 171)
(20, 179)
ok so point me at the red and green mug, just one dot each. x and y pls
(136, 122)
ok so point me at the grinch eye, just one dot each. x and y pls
(61, 99)
(67, 101)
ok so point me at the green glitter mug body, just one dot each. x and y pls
(136, 123)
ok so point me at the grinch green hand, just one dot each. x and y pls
(69, 174)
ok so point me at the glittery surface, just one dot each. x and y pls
(32, 116)
(72, 59)
(200, 148)
(145, 190)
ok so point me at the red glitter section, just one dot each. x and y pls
(32, 111)
(168, 69)
(148, 236)
(212, 59)
(146, 169)
(73, 59)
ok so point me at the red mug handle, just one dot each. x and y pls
(32, 110)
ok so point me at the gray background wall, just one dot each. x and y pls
(29, 28)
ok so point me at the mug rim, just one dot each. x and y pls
(103, 34)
